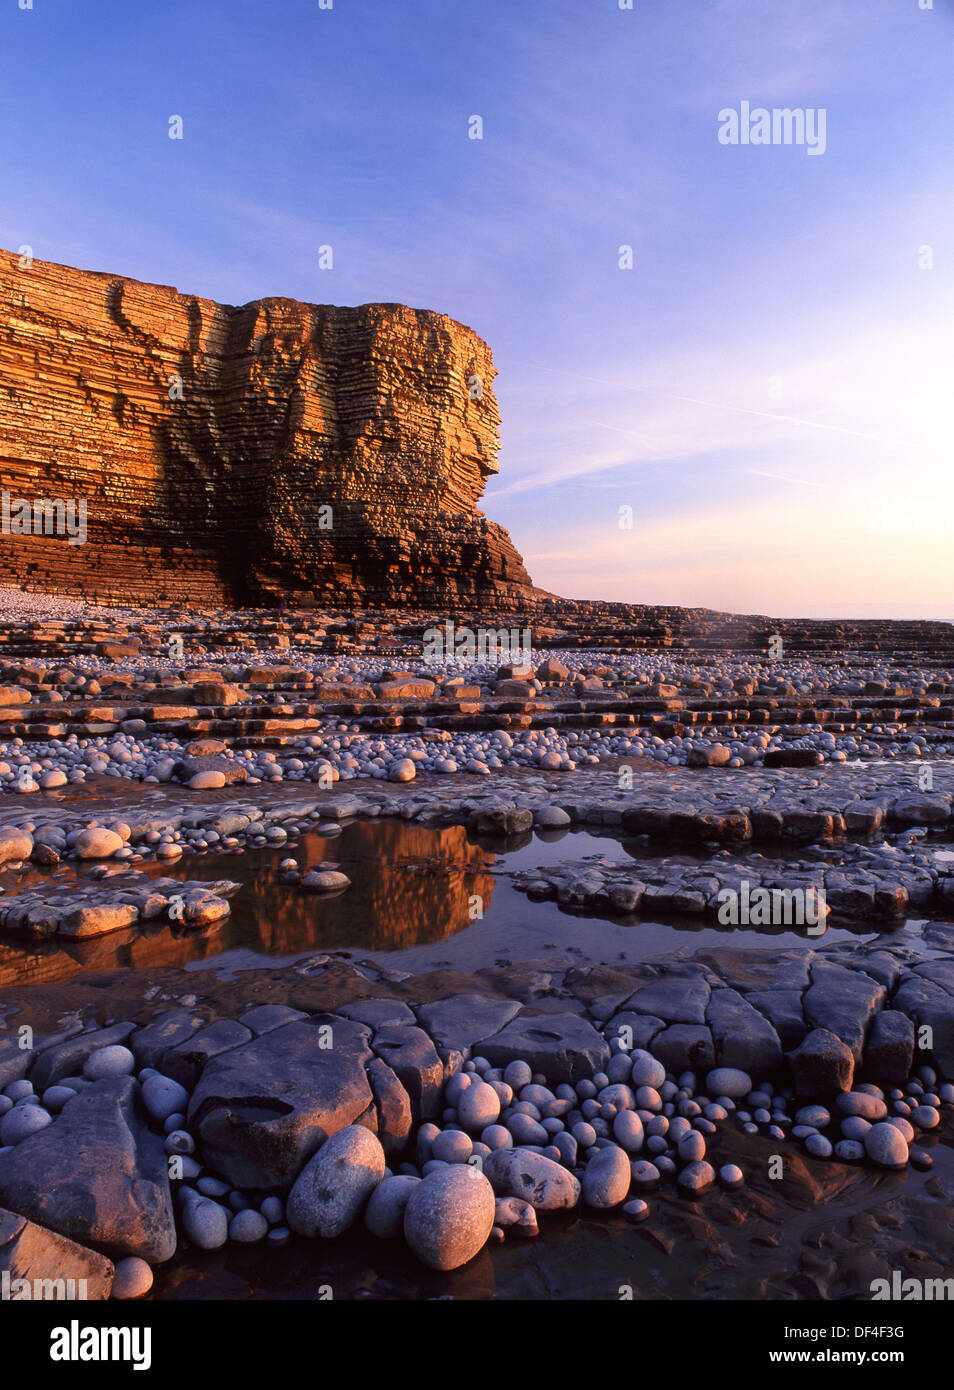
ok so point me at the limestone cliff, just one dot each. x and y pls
(245, 455)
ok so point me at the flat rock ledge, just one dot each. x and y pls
(588, 1084)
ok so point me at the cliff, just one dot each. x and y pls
(247, 455)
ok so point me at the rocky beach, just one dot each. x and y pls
(220, 1087)
(476, 678)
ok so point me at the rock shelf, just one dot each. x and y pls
(591, 1084)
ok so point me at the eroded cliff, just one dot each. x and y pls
(246, 455)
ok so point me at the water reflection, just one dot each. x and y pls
(409, 886)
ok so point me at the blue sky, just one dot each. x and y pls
(769, 389)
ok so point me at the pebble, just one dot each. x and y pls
(132, 1278)
(109, 1061)
(248, 1226)
(449, 1216)
(479, 1106)
(886, 1145)
(696, 1178)
(607, 1178)
(163, 1097)
(728, 1081)
(384, 1214)
(22, 1121)
(636, 1210)
(335, 1183)
(206, 1223)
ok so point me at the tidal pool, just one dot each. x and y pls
(413, 903)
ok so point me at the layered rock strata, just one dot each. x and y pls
(232, 454)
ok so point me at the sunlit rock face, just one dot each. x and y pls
(247, 454)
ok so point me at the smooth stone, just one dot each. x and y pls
(248, 1226)
(692, 1148)
(728, 1081)
(511, 1214)
(21, 1122)
(696, 1178)
(862, 1103)
(333, 1186)
(452, 1146)
(818, 1146)
(479, 1106)
(163, 1097)
(636, 1210)
(55, 1097)
(449, 1216)
(206, 1223)
(546, 1185)
(628, 1131)
(132, 1278)
(849, 1150)
(646, 1070)
(273, 1210)
(886, 1145)
(384, 1214)
(607, 1178)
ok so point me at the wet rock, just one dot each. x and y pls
(98, 1175)
(335, 1183)
(532, 1177)
(449, 1216)
(460, 1020)
(821, 1064)
(499, 820)
(562, 1046)
(260, 1111)
(30, 1252)
(325, 881)
(889, 1048)
(606, 1178)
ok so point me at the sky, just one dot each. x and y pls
(750, 409)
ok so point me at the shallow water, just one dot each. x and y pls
(410, 904)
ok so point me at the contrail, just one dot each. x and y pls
(735, 409)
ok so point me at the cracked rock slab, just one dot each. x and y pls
(563, 1046)
(260, 1111)
(98, 1175)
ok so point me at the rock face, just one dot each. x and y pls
(98, 1176)
(41, 1264)
(261, 1111)
(209, 443)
